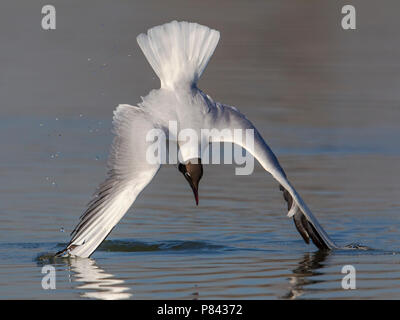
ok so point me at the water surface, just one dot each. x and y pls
(327, 102)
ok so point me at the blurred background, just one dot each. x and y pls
(325, 99)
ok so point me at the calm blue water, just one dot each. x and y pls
(237, 244)
(326, 101)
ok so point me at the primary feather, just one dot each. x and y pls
(129, 173)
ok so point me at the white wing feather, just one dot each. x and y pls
(306, 223)
(129, 173)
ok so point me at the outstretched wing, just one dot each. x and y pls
(129, 173)
(226, 117)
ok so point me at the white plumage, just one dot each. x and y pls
(178, 52)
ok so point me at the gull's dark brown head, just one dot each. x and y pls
(192, 171)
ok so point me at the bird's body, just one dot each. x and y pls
(178, 53)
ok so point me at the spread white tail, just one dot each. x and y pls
(178, 51)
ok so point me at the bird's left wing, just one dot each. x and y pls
(129, 173)
(226, 117)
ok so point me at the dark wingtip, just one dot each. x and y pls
(303, 226)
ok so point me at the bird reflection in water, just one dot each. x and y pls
(96, 283)
(308, 267)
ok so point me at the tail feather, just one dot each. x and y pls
(178, 51)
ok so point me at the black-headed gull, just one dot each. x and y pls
(178, 52)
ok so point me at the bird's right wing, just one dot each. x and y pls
(226, 117)
(129, 173)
